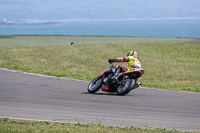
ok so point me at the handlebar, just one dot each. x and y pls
(111, 63)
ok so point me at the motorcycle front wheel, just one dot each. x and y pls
(125, 87)
(95, 85)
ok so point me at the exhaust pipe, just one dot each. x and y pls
(136, 86)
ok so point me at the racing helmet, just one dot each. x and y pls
(132, 53)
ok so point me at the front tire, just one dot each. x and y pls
(125, 87)
(95, 85)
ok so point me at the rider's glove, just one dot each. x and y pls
(110, 60)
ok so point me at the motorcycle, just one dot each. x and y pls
(125, 82)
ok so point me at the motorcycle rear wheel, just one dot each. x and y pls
(125, 87)
(95, 85)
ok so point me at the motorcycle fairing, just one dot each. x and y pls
(106, 88)
(134, 72)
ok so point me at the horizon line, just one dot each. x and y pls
(123, 19)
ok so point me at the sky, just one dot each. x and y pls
(70, 10)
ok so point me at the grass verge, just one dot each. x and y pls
(167, 65)
(29, 40)
(21, 126)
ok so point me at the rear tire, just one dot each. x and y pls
(95, 85)
(125, 87)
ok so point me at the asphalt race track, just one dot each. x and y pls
(37, 97)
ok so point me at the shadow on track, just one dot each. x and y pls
(104, 94)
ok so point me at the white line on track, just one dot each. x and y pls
(54, 121)
(14, 71)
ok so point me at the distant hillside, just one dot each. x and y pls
(45, 23)
(4, 22)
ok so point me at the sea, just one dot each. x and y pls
(172, 28)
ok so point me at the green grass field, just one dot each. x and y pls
(169, 63)
(20, 126)
(6, 41)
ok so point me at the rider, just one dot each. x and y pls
(131, 59)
